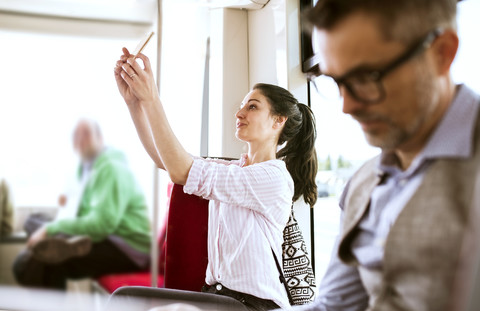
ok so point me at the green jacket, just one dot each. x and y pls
(112, 204)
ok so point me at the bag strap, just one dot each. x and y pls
(282, 278)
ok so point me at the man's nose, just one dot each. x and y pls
(350, 104)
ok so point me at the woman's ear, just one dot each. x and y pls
(279, 122)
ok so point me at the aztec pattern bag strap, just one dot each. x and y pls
(298, 277)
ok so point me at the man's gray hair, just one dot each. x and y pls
(403, 20)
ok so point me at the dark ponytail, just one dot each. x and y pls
(299, 134)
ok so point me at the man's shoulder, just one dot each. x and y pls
(111, 158)
(367, 171)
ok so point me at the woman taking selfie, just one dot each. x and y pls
(250, 197)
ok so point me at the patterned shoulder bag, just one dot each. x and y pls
(297, 275)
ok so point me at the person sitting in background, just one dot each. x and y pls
(109, 231)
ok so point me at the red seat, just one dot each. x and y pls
(182, 248)
(186, 248)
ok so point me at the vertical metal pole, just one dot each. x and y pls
(312, 212)
(154, 245)
(206, 102)
(156, 175)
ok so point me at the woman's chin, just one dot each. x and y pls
(240, 137)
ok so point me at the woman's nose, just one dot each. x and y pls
(239, 114)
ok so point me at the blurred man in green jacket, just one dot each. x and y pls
(109, 231)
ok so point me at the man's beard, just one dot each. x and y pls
(396, 135)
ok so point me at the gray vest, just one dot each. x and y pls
(422, 249)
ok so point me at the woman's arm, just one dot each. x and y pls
(138, 115)
(145, 134)
(176, 160)
(137, 86)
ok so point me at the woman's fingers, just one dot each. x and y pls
(135, 66)
(129, 59)
(129, 81)
(125, 77)
(129, 70)
(126, 52)
(117, 71)
(119, 64)
(146, 62)
(122, 74)
(120, 80)
(135, 82)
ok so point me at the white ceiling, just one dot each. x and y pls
(130, 11)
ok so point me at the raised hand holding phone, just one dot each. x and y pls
(134, 82)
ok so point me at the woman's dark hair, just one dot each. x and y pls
(299, 134)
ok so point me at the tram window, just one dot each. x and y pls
(56, 71)
(467, 63)
(342, 148)
(49, 81)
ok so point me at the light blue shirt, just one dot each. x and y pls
(341, 287)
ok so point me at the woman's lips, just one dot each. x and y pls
(239, 125)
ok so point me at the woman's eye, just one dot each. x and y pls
(251, 107)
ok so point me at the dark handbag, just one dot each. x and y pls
(297, 274)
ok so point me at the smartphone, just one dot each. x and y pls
(142, 44)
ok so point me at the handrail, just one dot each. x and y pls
(156, 175)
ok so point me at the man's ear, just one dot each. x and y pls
(445, 48)
(279, 121)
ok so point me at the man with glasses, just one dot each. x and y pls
(405, 213)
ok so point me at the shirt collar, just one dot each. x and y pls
(87, 165)
(453, 137)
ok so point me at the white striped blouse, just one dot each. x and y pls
(248, 210)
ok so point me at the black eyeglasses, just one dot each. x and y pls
(366, 85)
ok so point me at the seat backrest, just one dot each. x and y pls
(186, 243)
(144, 298)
